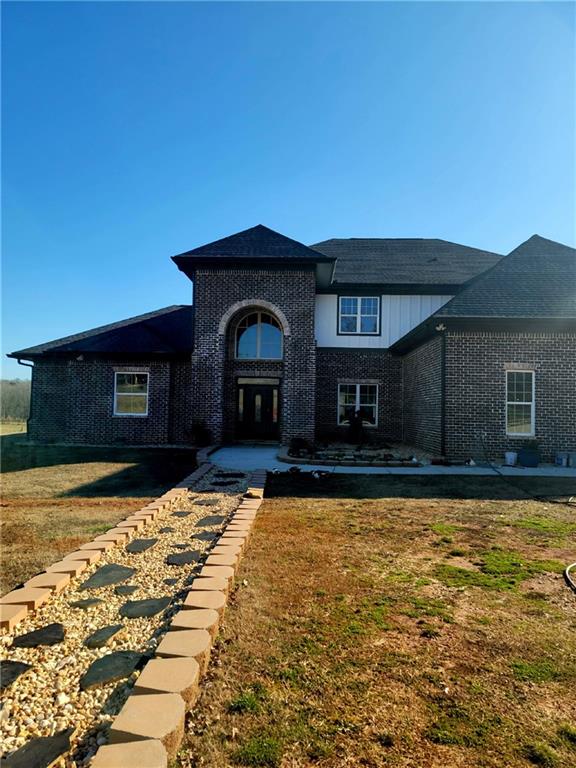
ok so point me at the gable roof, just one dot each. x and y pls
(536, 280)
(256, 243)
(166, 331)
(397, 261)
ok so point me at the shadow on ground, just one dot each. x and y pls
(419, 487)
(151, 470)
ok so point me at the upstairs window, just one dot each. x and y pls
(259, 337)
(130, 394)
(520, 403)
(359, 315)
(358, 398)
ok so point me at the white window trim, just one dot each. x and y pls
(136, 394)
(259, 338)
(357, 384)
(532, 404)
(358, 316)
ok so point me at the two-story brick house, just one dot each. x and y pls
(445, 347)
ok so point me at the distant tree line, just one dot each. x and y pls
(14, 399)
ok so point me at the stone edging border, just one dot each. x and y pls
(15, 605)
(149, 728)
(284, 457)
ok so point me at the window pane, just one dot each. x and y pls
(369, 324)
(241, 404)
(345, 413)
(348, 306)
(127, 404)
(247, 343)
(368, 413)
(258, 408)
(270, 341)
(368, 394)
(519, 418)
(369, 306)
(132, 382)
(348, 324)
(519, 387)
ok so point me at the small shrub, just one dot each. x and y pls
(385, 740)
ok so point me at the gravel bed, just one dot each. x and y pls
(48, 698)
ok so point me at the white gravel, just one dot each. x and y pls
(48, 698)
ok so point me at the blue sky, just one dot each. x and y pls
(134, 131)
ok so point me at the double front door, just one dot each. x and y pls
(257, 408)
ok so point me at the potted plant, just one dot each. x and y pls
(529, 455)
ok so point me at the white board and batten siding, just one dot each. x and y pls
(399, 314)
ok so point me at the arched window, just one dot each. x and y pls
(259, 337)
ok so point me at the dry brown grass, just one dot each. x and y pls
(352, 644)
(54, 498)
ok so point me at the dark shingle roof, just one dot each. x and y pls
(536, 280)
(405, 261)
(258, 242)
(166, 331)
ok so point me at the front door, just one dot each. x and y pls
(257, 403)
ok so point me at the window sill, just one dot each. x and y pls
(129, 415)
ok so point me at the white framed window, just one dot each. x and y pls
(520, 403)
(130, 393)
(358, 398)
(359, 315)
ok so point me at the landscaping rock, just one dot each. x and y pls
(41, 752)
(111, 668)
(102, 636)
(204, 536)
(222, 483)
(135, 609)
(11, 671)
(171, 582)
(90, 602)
(107, 575)
(126, 589)
(183, 558)
(51, 634)
(180, 514)
(210, 520)
(166, 529)
(140, 545)
(210, 502)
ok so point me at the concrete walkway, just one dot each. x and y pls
(249, 457)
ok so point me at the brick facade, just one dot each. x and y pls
(475, 406)
(221, 295)
(422, 396)
(73, 402)
(370, 366)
